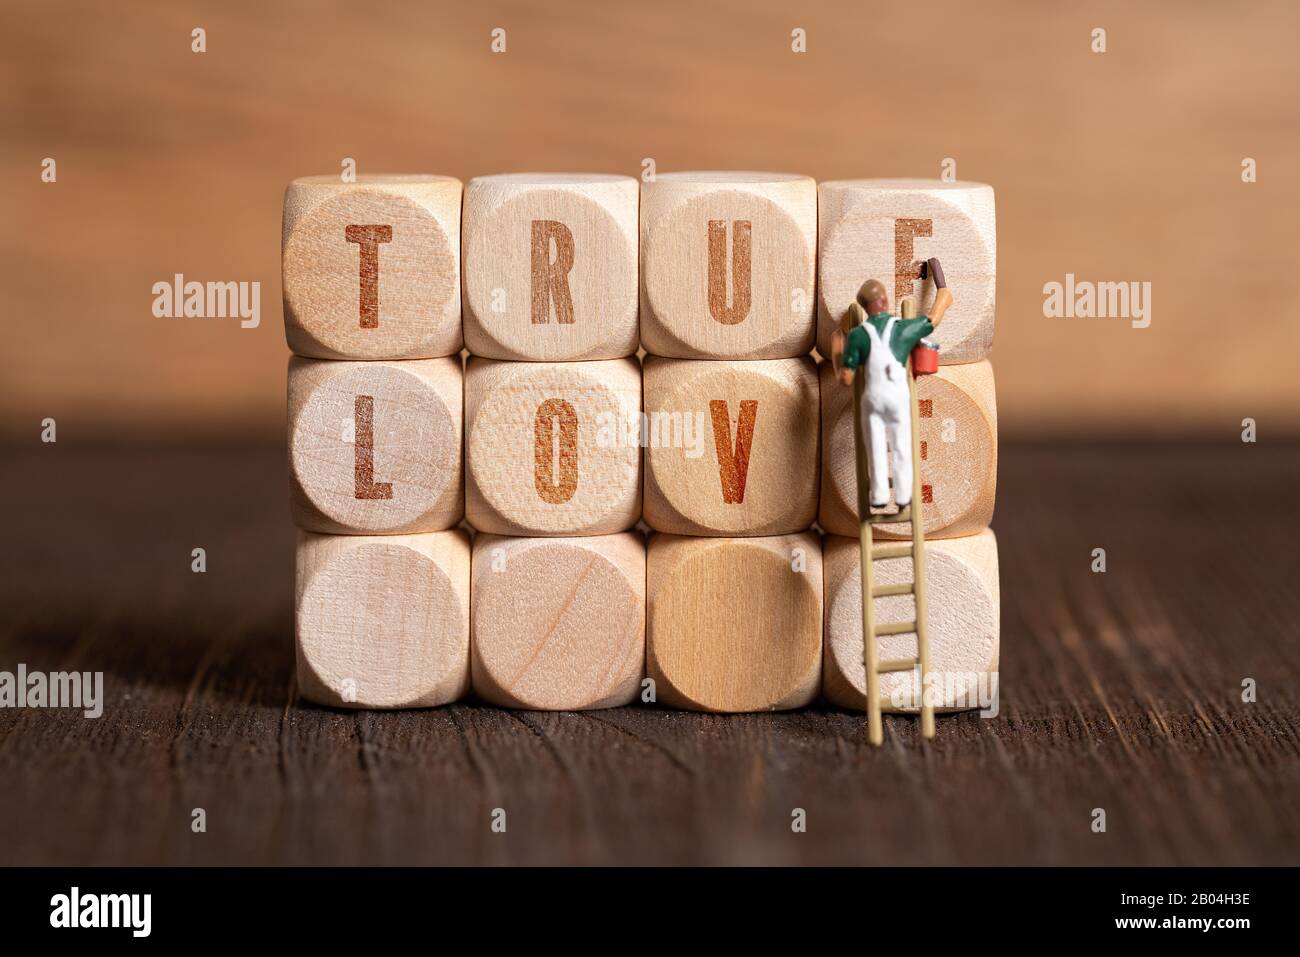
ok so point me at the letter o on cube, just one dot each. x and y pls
(552, 448)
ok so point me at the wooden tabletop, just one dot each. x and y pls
(1120, 691)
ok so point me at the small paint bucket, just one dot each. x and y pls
(925, 358)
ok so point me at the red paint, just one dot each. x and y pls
(925, 361)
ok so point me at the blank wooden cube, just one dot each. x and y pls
(559, 623)
(728, 265)
(732, 447)
(383, 622)
(964, 608)
(550, 268)
(371, 269)
(885, 228)
(375, 447)
(734, 624)
(552, 447)
(959, 453)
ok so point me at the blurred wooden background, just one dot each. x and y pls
(1122, 166)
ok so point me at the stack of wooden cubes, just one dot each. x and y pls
(553, 441)
(886, 229)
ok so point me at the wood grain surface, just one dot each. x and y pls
(550, 266)
(962, 584)
(382, 621)
(729, 448)
(958, 419)
(734, 624)
(559, 623)
(371, 268)
(547, 448)
(1120, 691)
(728, 265)
(884, 229)
(376, 447)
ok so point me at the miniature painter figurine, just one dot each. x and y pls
(878, 343)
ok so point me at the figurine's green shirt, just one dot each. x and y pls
(902, 340)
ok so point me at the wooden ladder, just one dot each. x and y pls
(871, 552)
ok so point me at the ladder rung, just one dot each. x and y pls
(886, 518)
(884, 591)
(891, 550)
(896, 628)
(897, 664)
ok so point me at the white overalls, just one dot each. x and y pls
(887, 410)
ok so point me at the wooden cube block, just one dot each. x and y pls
(731, 447)
(551, 266)
(371, 269)
(959, 453)
(964, 610)
(375, 447)
(885, 228)
(734, 624)
(559, 623)
(728, 265)
(383, 622)
(552, 447)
